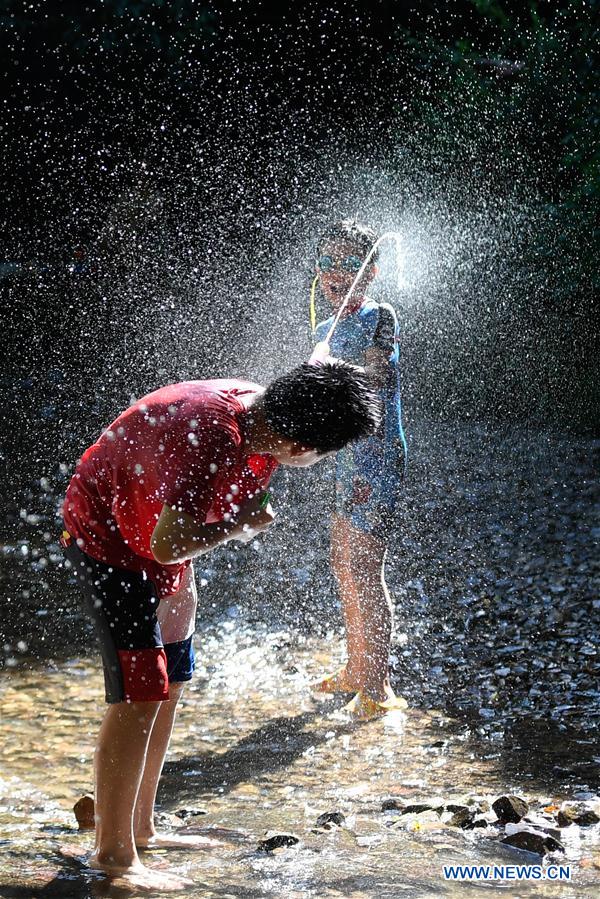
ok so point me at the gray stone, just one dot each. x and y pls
(167, 819)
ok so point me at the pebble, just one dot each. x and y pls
(330, 820)
(186, 813)
(84, 813)
(274, 841)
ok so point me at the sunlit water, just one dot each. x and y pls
(253, 751)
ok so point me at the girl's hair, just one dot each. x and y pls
(362, 236)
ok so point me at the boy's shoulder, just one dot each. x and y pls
(196, 399)
(202, 391)
(180, 410)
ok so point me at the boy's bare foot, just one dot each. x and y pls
(339, 682)
(139, 876)
(364, 708)
(177, 841)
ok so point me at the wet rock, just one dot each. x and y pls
(419, 808)
(167, 819)
(392, 805)
(84, 813)
(424, 821)
(186, 813)
(457, 809)
(540, 822)
(274, 841)
(529, 841)
(329, 820)
(482, 804)
(510, 809)
(577, 814)
(463, 818)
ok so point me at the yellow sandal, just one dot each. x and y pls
(335, 683)
(363, 708)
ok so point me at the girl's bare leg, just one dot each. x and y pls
(375, 613)
(358, 561)
(341, 563)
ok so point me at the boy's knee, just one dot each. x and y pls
(128, 713)
(176, 689)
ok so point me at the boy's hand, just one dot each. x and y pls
(177, 536)
(255, 515)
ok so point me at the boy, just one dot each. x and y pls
(368, 474)
(178, 473)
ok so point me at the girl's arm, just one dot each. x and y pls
(377, 356)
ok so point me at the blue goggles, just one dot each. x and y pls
(349, 264)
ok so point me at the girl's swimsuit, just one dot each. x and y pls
(370, 472)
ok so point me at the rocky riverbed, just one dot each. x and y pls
(493, 563)
(306, 802)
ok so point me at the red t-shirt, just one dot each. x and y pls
(181, 445)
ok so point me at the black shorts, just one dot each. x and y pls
(123, 606)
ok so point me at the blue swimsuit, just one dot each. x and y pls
(369, 473)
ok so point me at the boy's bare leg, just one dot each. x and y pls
(143, 824)
(119, 763)
(176, 616)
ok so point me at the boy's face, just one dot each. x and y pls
(337, 267)
(288, 452)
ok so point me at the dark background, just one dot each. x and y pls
(180, 147)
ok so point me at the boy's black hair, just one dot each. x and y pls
(352, 231)
(323, 407)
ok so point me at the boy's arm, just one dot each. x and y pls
(178, 537)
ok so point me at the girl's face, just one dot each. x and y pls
(337, 266)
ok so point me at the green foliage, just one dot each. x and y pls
(120, 29)
(509, 105)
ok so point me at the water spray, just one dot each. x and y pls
(322, 350)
